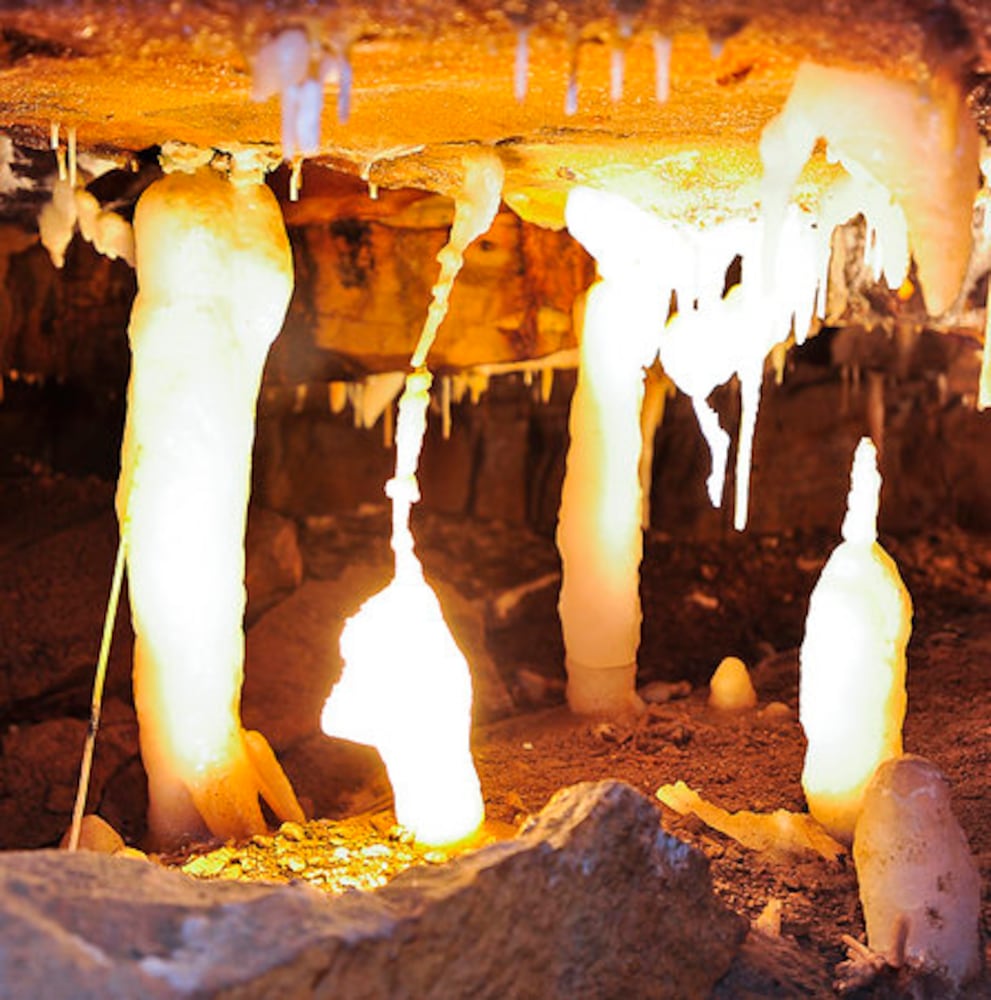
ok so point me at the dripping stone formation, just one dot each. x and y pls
(300, 210)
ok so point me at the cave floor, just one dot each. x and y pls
(740, 595)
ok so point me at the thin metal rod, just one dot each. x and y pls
(82, 790)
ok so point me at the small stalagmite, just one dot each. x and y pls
(919, 884)
(731, 688)
(852, 689)
(214, 275)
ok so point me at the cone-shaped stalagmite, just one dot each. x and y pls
(852, 693)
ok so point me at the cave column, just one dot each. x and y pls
(599, 532)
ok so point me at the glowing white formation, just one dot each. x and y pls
(852, 689)
(291, 66)
(919, 884)
(57, 221)
(109, 233)
(617, 57)
(599, 534)
(521, 63)
(474, 211)
(406, 687)
(571, 93)
(662, 68)
(730, 687)
(214, 281)
(915, 140)
(717, 333)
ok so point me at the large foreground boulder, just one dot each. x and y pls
(592, 899)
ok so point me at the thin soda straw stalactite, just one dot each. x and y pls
(96, 702)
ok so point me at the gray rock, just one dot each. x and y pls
(591, 900)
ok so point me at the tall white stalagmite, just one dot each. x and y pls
(852, 691)
(599, 534)
(214, 279)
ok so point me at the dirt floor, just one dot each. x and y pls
(744, 596)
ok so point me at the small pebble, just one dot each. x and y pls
(606, 732)
(659, 692)
(292, 831)
(775, 711)
(375, 851)
(207, 864)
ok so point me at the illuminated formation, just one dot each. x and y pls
(599, 531)
(913, 146)
(406, 687)
(717, 333)
(919, 885)
(214, 276)
(852, 688)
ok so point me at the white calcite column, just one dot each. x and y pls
(214, 276)
(599, 532)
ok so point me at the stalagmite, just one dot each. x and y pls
(916, 140)
(599, 534)
(731, 688)
(214, 281)
(919, 885)
(406, 687)
(852, 689)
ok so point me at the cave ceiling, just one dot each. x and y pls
(432, 78)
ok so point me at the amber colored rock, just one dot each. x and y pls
(431, 77)
(365, 269)
(591, 900)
